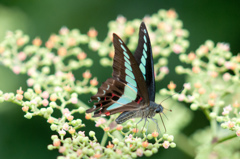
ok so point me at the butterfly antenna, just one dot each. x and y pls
(168, 109)
(165, 115)
(163, 122)
(172, 95)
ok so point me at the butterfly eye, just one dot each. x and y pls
(159, 109)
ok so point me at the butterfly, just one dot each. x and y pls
(131, 89)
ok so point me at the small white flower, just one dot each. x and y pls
(62, 132)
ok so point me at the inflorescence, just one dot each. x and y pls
(212, 85)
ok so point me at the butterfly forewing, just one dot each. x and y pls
(126, 68)
(126, 90)
(143, 56)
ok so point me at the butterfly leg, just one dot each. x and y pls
(145, 123)
(155, 121)
(147, 128)
(138, 122)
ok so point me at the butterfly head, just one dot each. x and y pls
(159, 108)
(156, 108)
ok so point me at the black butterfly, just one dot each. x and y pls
(131, 90)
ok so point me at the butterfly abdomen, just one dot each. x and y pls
(125, 116)
(132, 114)
(148, 112)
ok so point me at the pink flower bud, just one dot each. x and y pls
(45, 95)
(231, 124)
(187, 86)
(81, 133)
(66, 111)
(139, 152)
(50, 120)
(37, 42)
(181, 97)
(19, 91)
(62, 132)
(164, 69)
(6, 96)
(226, 77)
(92, 33)
(74, 100)
(223, 46)
(62, 149)
(82, 56)
(56, 142)
(64, 31)
(238, 132)
(22, 56)
(65, 126)
(45, 102)
(166, 144)
(16, 69)
(71, 130)
(177, 48)
(19, 97)
(31, 71)
(25, 108)
(30, 82)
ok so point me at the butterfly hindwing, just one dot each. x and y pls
(126, 90)
(110, 99)
(143, 56)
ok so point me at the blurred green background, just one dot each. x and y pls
(217, 20)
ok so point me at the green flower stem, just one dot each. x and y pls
(221, 140)
(80, 103)
(106, 134)
(213, 122)
(16, 102)
(104, 139)
(118, 135)
(207, 112)
(182, 143)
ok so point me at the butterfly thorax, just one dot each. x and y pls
(147, 112)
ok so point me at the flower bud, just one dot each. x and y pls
(166, 144)
(50, 147)
(154, 150)
(53, 104)
(148, 153)
(194, 106)
(224, 125)
(81, 110)
(91, 133)
(165, 136)
(85, 139)
(170, 138)
(134, 155)
(121, 144)
(28, 115)
(213, 115)
(149, 136)
(115, 141)
(49, 110)
(53, 127)
(172, 145)
(179, 70)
